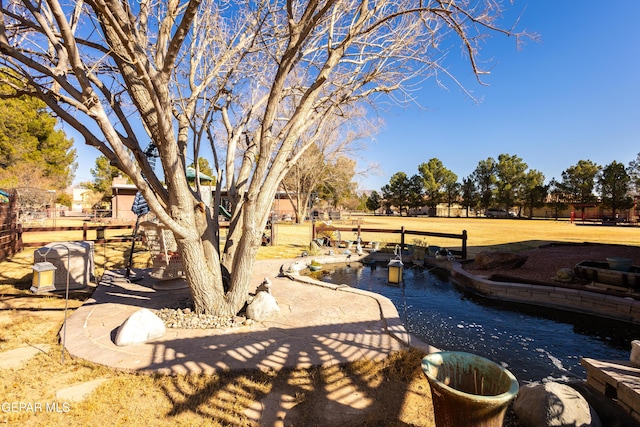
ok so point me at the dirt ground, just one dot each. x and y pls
(543, 262)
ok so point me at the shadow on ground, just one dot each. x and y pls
(393, 393)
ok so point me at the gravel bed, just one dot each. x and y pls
(182, 316)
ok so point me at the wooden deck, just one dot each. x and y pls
(618, 380)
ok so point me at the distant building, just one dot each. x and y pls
(123, 194)
(80, 200)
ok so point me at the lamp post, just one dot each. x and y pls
(52, 273)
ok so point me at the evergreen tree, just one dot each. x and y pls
(396, 193)
(374, 201)
(614, 183)
(452, 192)
(469, 193)
(485, 178)
(557, 199)
(32, 152)
(534, 192)
(511, 176)
(435, 178)
(634, 174)
(578, 183)
(415, 197)
(103, 174)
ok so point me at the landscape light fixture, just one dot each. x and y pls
(395, 267)
(43, 277)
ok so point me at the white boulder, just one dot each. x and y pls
(140, 327)
(553, 404)
(263, 305)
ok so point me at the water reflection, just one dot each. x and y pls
(532, 342)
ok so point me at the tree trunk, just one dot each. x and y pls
(300, 207)
(231, 243)
(205, 283)
(245, 256)
(201, 259)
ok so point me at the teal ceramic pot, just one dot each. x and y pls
(468, 390)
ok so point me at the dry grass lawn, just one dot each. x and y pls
(396, 388)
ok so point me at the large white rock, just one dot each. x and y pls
(263, 305)
(553, 405)
(140, 327)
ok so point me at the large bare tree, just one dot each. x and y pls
(247, 77)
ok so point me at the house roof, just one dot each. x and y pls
(191, 174)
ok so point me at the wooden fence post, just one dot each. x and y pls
(10, 229)
(272, 237)
(18, 243)
(84, 231)
(402, 230)
(464, 244)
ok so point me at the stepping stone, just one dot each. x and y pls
(79, 392)
(15, 358)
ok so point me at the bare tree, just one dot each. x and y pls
(316, 169)
(33, 198)
(339, 185)
(302, 181)
(248, 77)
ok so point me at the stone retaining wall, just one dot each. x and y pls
(582, 301)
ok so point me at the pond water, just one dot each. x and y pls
(532, 342)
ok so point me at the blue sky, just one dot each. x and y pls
(573, 95)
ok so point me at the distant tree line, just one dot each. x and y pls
(508, 183)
